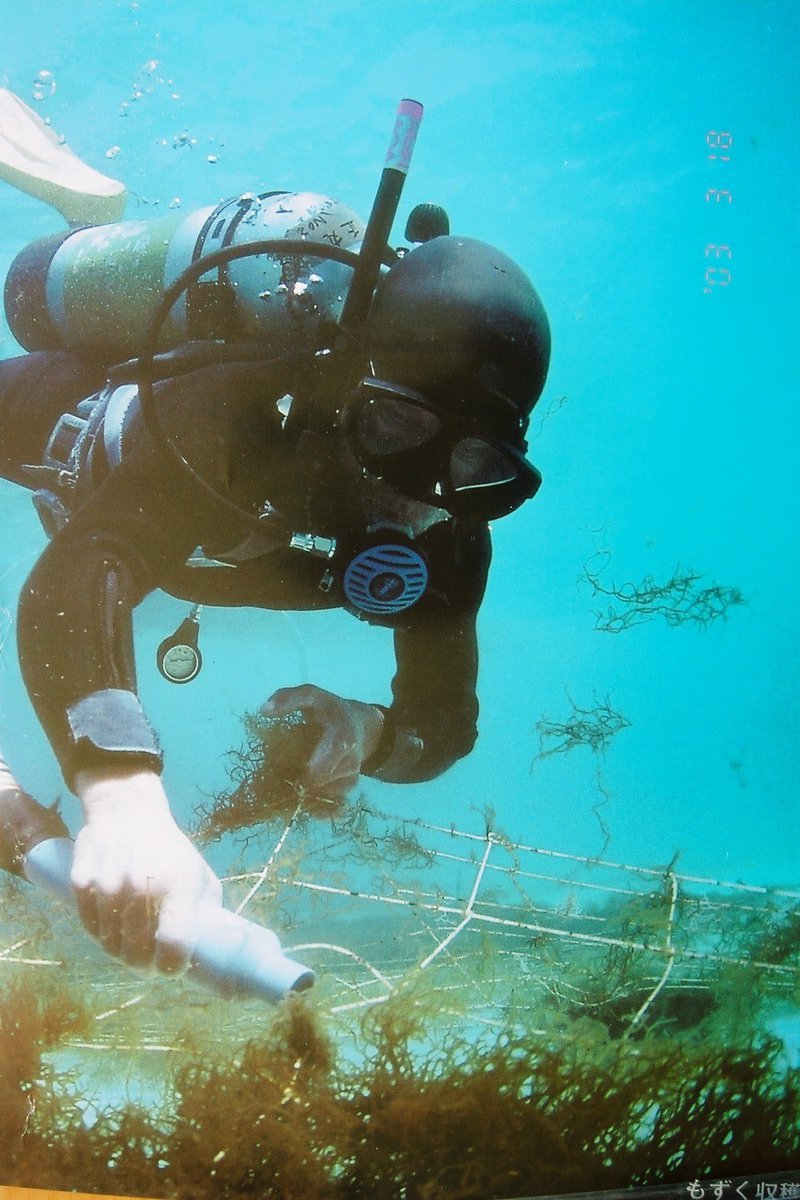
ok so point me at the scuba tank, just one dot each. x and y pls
(95, 290)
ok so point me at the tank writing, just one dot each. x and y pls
(719, 144)
(315, 218)
(325, 224)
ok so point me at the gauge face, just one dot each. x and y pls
(179, 663)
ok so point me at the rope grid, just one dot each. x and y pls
(471, 906)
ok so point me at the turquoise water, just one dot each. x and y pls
(573, 136)
(606, 147)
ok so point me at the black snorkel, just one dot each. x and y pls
(366, 270)
(384, 210)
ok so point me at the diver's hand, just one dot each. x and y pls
(138, 879)
(348, 733)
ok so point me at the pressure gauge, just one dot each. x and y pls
(178, 657)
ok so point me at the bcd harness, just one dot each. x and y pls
(383, 575)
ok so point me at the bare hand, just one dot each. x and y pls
(138, 879)
(348, 733)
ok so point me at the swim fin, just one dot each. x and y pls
(34, 160)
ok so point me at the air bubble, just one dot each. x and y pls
(44, 85)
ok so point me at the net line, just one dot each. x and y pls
(461, 895)
(492, 929)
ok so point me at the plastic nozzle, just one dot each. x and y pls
(233, 957)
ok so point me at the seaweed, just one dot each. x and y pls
(267, 775)
(413, 1116)
(593, 727)
(31, 1021)
(533, 1022)
(684, 598)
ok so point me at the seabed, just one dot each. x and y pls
(490, 1018)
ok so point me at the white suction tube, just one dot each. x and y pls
(234, 957)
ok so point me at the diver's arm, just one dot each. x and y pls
(142, 521)
(432, 720)
(430, 725)
(138, 879)
(76, 649)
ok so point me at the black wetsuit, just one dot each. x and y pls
(133, 530)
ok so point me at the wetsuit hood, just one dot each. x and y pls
(461, 322)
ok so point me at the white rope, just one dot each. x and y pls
(653, 872)
(265, 870)
(531, 927)
(468, 911)
(301, 949)
(669, 950)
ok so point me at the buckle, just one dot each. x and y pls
(60, 451)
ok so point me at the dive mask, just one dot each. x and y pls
(428, 454)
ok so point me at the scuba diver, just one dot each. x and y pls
(302, 420)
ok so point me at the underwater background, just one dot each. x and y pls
(639, 676)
